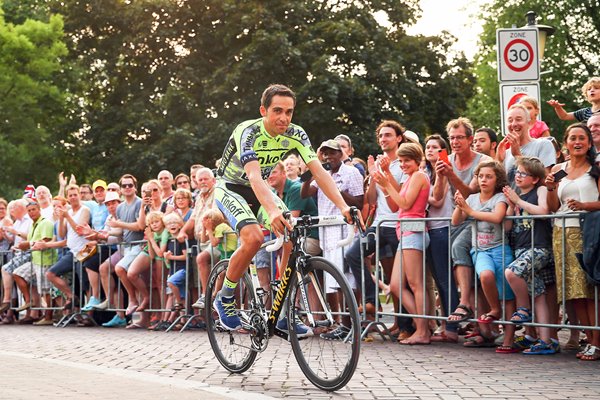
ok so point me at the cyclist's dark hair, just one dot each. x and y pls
(276, 90)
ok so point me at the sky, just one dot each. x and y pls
(459, 17)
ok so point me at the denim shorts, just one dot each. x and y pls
(414, 241)
(178, 279)
(491, 260)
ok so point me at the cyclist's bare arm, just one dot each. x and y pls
(327, 185)
(265, 198)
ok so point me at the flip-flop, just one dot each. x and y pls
(468, 314)
(443, 338)
(487, 318)
(131, 309)
(135, 325)
(479, 341)
(506, 350)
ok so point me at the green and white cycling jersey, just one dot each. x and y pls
(251, 142)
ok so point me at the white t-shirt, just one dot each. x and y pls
(540, 148)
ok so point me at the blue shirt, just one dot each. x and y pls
(98, 214)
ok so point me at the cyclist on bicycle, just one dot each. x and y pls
(253, 150)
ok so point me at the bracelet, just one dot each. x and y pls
(386, 195)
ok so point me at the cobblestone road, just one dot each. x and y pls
(99, 363)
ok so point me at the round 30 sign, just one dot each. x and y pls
(518, 55)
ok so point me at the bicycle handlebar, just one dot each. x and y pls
(324, 220)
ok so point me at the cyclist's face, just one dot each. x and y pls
(278, 116)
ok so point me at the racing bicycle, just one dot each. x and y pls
(302, 296)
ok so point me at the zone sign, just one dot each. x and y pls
(517, 55)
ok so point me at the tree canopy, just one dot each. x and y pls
(572, 56)
(155, 84)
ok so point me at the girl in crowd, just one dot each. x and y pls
(537, 128)
(490, 250)
(577, 192)
(412, 202)
(221, 237)
(183, 203)
(157, 238)
(175, 257)
(437, 252)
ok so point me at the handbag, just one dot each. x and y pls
(87, 252)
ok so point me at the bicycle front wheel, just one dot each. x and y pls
(233, 349)
(329, 356)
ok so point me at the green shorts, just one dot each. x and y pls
(241, 207)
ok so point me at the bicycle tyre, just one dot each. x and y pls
(232, 348)
(328, 364)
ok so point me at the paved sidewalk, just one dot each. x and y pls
(89, 363)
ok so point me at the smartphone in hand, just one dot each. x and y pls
(558, 175)
(444, 156)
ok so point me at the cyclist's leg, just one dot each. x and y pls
(240, 216)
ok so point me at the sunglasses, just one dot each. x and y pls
(127, 185)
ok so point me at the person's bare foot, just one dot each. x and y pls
(416, 340)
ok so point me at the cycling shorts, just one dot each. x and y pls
(241, 207)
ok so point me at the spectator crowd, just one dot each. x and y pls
(457, 220)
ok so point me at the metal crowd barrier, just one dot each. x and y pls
(379, 326)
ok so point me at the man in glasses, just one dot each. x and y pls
(459, 175)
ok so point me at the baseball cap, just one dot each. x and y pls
(112, 196)
(331, 144)
(99, 183)
(411, 136)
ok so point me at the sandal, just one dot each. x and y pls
(442, 337)
(593, 354)
(487, 318)
(479, 341)
(584, 351)
(519, 317)
(468, 314)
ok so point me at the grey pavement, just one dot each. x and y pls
(89, 363)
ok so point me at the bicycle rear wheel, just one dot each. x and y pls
(233, 349)
(328, 363)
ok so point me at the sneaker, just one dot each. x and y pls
(228, 315)
(200, 303)
(301, 329)
(540, 348)
(115, 322)
(524, 342)
(91, 304)
(44, 322)
(555, 345)
(101, 306)
(339, 333)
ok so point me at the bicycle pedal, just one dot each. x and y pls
(284, 335)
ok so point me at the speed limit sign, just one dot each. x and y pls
(518, 55)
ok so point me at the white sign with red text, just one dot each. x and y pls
(517, 54)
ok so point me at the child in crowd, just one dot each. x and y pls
(152, 253)
(532, 259)
(414, 239)
(537, 128)
(591, 92)
(222, 238)
(175, 258)
(490, 250)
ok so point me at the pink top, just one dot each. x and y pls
(418, 209)
(537, 129)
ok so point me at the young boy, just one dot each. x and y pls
(532, 260)
(175, 258)
(591, 92)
